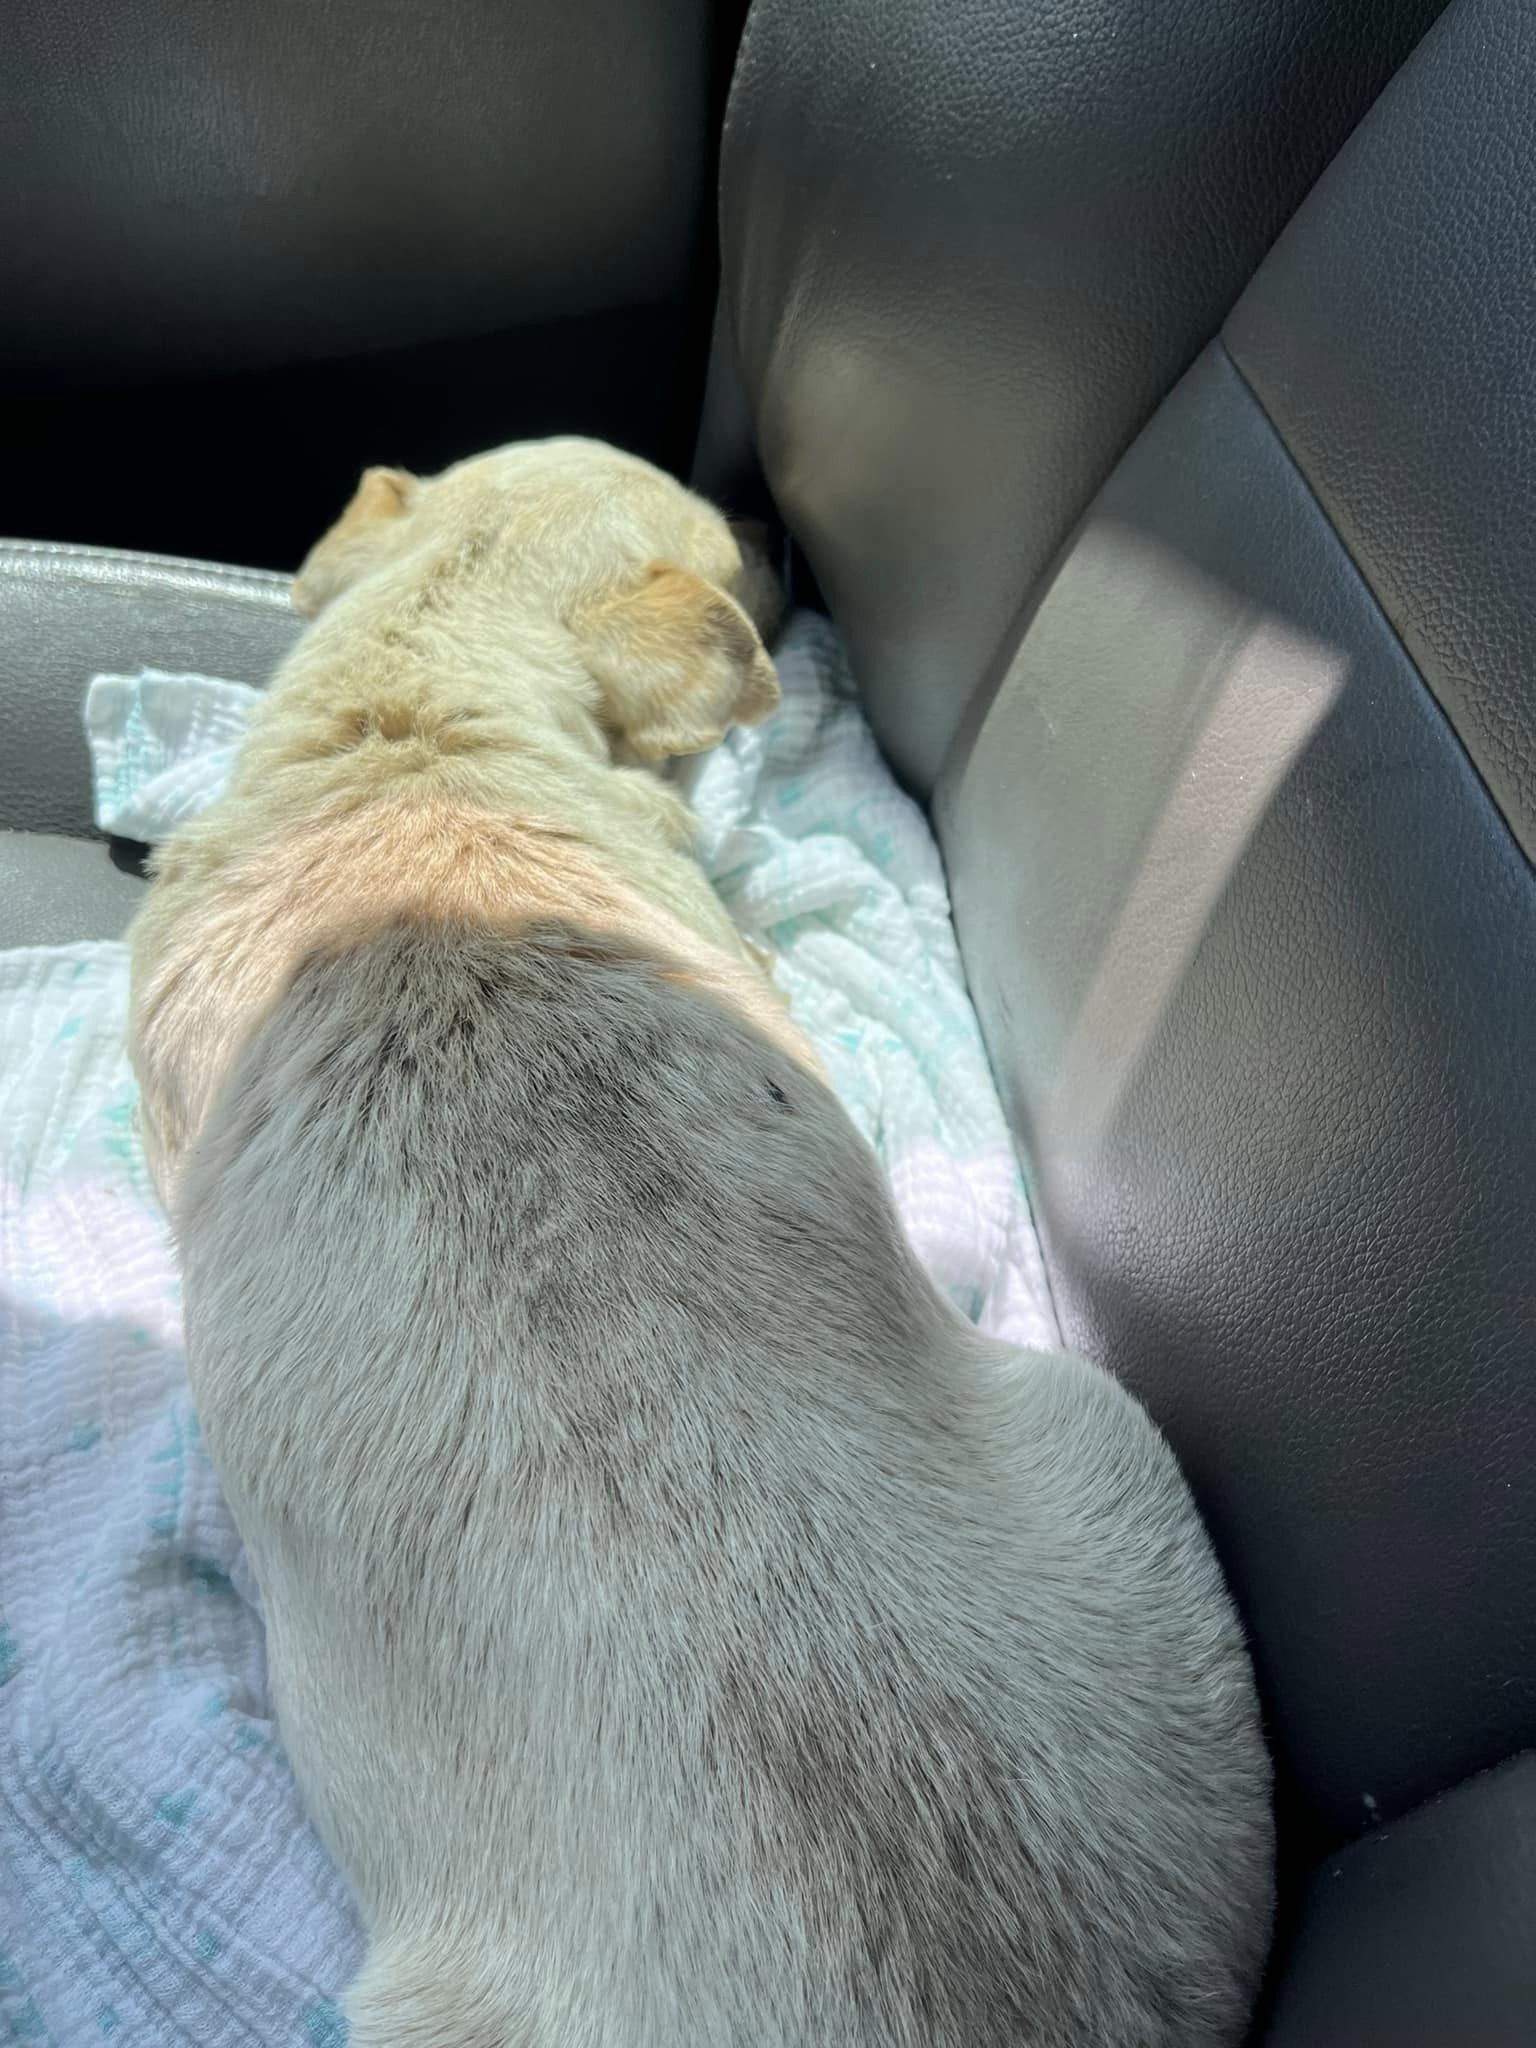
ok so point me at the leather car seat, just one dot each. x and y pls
(1187, 573)
(67, 614)
(1195, 588)
(247, 250)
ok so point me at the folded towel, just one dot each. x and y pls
(159, 1882)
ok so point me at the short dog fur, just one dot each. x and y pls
(687, 1631)
(494, 652)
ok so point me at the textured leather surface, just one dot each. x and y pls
(67, 614)
(1390, 338)
(1255, 955)
(1424, 1934)
(54, 891)
(250, 468)
(249, 249)
(199, 189)
(969, 247)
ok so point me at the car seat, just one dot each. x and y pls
(1150, 394)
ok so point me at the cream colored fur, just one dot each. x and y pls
(492, 651)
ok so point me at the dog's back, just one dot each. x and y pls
(686, 1630)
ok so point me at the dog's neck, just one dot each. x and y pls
(478, 707)
(421, 678)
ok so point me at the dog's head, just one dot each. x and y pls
(592, 558)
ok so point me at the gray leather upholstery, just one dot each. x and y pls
(1230, 736)
(969, 248)
(1389, 337)
(1255, 957)
(54, 891)
(67, 614)
(1232, 763)
(189, 191)
(314, 236)
(1420, 1936)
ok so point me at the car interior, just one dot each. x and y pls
(1148, 396)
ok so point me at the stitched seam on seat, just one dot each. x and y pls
(259, 585)
(1376, 601)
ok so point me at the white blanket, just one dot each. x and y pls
(158, 1884)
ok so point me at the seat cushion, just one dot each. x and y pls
(1423, 1934)
(65, 615)
(54, 890)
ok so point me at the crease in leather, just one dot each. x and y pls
(1388, 335)
(1377, 599)
(1422, 1934)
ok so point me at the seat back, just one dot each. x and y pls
(1223, 686)
(249, 249)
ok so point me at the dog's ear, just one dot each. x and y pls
(357, 541)
(678, 662)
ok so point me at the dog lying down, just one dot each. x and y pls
(686, 1630)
